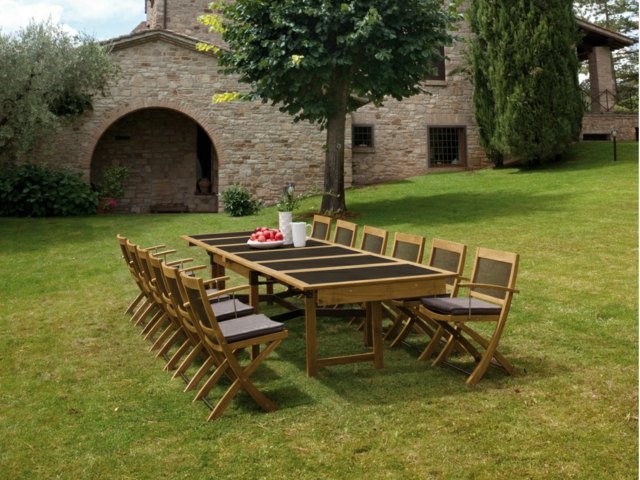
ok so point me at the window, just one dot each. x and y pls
(447, 147)
(362, 136)
(438, 68)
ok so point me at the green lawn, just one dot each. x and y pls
(82, 397)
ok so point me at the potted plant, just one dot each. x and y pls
(111, 188)
(286, 205)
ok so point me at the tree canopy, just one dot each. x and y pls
(46, 75)
(318, 60)
(524, 68)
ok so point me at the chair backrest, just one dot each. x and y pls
(155, 265)
(201, 312)
(448, 256)
(409, 247)
(122, 241)
(494, 267)
(178, 298)
(345, 233)
(320, 227)
(374, 240)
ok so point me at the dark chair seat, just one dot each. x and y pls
(248, 327)
(460, 306)
(227, 309)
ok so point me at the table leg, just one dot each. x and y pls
(217, 271)
(254, 293)
(374, 316)
(310, 304)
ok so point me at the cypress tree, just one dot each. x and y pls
(525, 71)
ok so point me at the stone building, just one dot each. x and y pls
(159, 120)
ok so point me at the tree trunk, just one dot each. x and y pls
(333, 198)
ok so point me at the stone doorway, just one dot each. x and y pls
(167, 153)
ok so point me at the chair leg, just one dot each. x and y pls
(142, 312)
(195, 380)
(189, 359)
(399, 325)
(456, 342)
(445, 352)
(211, 381)
(242, 381)
(431, 346)
(154, 325)
(133, 304)
(491, 352)
(182, 349)
(404, 331)
(171, 341)
(166, 334)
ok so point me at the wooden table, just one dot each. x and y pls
(326, 274)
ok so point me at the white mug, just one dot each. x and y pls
(299, 233)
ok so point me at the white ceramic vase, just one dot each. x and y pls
(284, 223)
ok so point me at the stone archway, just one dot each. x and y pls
(167, 152)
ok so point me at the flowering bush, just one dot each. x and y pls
(107, 204)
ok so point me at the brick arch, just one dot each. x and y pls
(141, 104)
(166, 183)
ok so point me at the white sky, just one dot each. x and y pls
(101, 19)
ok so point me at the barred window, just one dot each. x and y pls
(447, 146)
(362, 136)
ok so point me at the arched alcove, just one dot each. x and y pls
(167, 153)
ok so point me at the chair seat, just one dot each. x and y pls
(228, 309)
(248, 327)
(460, 306)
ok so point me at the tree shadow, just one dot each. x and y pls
(458, 207)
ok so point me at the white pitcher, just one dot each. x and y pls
(299, 233)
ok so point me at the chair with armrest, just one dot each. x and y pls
(488, 300)
(224, 340)
(223, 306)
(139, 303)
(345, 233)
(444, 255)
(150, 307)
(320, 227)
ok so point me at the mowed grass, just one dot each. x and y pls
(83, 398)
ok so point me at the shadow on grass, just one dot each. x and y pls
(458, 207)
(403, 377)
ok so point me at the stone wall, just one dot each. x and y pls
(401, 127)
(601, 124)
(257, 146)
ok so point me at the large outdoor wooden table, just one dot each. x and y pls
(325, 274)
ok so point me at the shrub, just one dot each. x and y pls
(44, 191)
(238, 202)
(112, 184)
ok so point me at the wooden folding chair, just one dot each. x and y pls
(153, 282)
(444, 255)
(150, 307)
(223, 306)
(489, 295)
(374, 240)
(321, 227)
(122, 242)
(224, 340)
(345, 233)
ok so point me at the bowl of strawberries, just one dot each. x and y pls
(265, 237)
